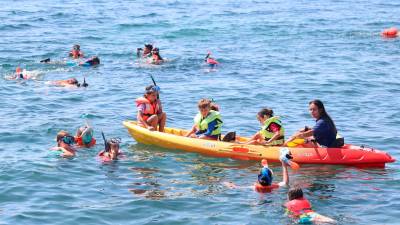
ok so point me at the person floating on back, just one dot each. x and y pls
(64, 144)
(76, 52)
(207, 123)
(272, 131)
(150, 114)
(84, 137)
(299, 208)
(324, 132)
(71, 83)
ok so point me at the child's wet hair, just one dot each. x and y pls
(204, 103)
(295, 193)
(61, 134)
(265, 112)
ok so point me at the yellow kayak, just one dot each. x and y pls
(174, 138)
(302, 153)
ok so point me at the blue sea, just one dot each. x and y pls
(279, 54)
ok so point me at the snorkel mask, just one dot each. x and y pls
(87, 135)
(69, 140)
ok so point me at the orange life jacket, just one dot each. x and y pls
(299, 206)
(150, 108)
(264, 189)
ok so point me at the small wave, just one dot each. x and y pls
(9, 27)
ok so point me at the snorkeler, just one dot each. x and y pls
(72, 82)
(210, 61)
(111, 149)
(146, 51)
(64, 144)
(92, 61)
(84, 137)
(76, 52)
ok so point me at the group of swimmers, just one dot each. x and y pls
(208, 125)
(67, 144)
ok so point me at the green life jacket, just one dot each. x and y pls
(268, 135)
(202, 123)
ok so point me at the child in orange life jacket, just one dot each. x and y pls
(272, 131)
(76, 52)
(300, 208)
(111, 151)
(84, 137)
(156, 58)
(150, 114)
(64, 144)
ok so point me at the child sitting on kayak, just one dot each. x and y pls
(111, 150)
(300, 208)
(84, 137)
(150, 114)
(64, 144)
(207, 123)
(210, 61)
(272, 131)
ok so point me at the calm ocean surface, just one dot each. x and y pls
(280, 54)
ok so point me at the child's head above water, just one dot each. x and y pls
(295, 193)
(64, 137)
(265, 175)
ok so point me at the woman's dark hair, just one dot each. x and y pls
(95, 60)
(265, 111)
(323, 113)
(295, 193)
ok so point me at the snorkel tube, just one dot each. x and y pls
(106, 145)
(155, 85)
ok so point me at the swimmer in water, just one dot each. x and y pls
(146, 51)
(65, 144)
(92, 61)
(210, 61)
(19, 75)
(76, 52)
(299, 207)
(84, 137)
(155, 57)
(111, 149)
(72, 82)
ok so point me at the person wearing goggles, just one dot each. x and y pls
(65, 143)
(76, 52)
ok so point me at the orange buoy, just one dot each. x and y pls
(390, 32)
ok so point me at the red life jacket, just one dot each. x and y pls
(299, 206)
(150, 108)
(75, 54)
